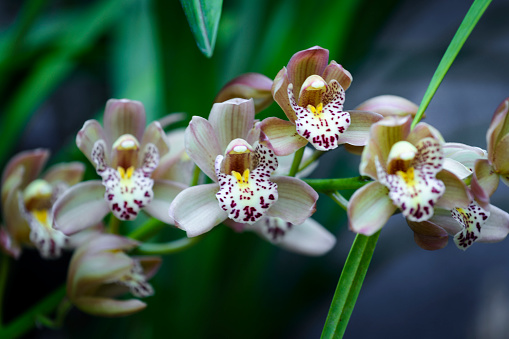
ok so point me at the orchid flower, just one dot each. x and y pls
(407, 167)
(125, 154)
(312, 93)
(226, 148)
(488, 171)
(27, 201)
(309, 238)
(479, 221)
(254, 86)
(100, 270)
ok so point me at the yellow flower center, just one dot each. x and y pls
(125, 175)
(242, 180)
(41, 216)
(317, 111)
(408, 176)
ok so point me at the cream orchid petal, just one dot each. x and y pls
(196, 210)
(232, 119)
(123, 116)
(88, 135)
(281, 136)
(374, 198)
(357, 133)
(81, 206)
(202, 145)
(297, 200)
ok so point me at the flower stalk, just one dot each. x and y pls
(297, 159)
(349, 285)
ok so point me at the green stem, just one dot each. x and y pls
(170, 247)
(26, 321)
(315, 156)
(296, 161)
(114, 225)
(332, 185)
(63, 308)
(349, 285)
(4, 270)
(147, 230)
(339, 199)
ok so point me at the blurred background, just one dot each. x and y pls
(61, 60)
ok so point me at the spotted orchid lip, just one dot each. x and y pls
(248, 195)
(471, 220)
(415, 189)
(322, 125)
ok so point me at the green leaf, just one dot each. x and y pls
(349, 285)
(203, 17)
(473, 15)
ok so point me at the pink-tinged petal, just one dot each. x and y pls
(485, 176)
(68, 173)
(170, 119)
(150, 265)
(32, 163)
(357, 133)
(124, 117)
(337, 72)
(322, 127)
(106, 307)
(196, 210)
(281, 136)
(254, 133)
(232, 119)
(81, 206)
(456, 192)
(464, 154)
(305, 63)
(89, 134)
(309, 238)
(154, 134)
(471, 220)
(480, 196)
(459, 170)
(164, 193)
(383, 135)
(369, 208)
(202, 145)
(499, 127)
(8, 246)
(247, 196)
(388, 105)
(254, 86)
(444, 219)
(496, 228)
(423, 130)
(428, 235)
(296, 202)
(500, 158)
(280, 94)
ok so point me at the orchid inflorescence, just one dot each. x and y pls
(249, 181)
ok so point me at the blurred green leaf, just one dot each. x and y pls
(467, 25)
(203, 17)
(52, 68)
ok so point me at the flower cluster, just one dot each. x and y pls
(252, 179)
